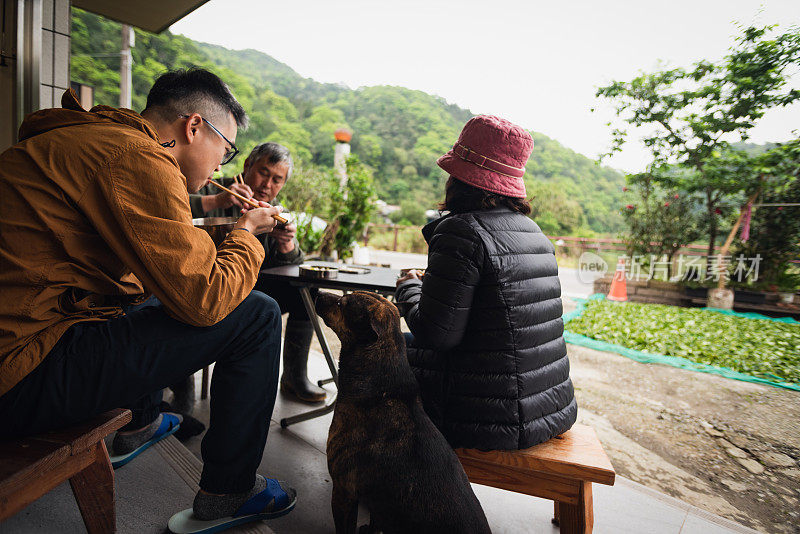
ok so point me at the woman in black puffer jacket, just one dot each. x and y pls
(487, 342)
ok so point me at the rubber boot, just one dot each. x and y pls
(183, 395)
(294, 381)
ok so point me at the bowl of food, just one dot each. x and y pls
(354, 269)
(217, 227)
(318, 271)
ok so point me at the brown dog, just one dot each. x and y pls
(383, 450)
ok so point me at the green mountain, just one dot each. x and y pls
(398, 132)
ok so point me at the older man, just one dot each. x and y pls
(94, 215)
(266, 171)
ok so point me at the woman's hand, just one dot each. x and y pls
(285, 237)
(412, 274)
(259, 220)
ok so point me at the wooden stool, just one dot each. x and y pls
(561, 469)
(30, 467)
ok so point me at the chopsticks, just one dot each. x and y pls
(238, 179)
(282, 220)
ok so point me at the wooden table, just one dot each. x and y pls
(379, 279)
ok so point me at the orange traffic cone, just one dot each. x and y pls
(619, 290)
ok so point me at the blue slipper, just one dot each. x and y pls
(169, 424)
(273, 502)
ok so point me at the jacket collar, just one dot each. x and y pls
(71, 114)
(429, 229)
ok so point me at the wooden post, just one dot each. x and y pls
(577, 518)
(126, 62)
(94, 491)
(394, 247)
(726, 246)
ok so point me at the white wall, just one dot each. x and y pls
(54, 66)
(8, 125)
(36, 44)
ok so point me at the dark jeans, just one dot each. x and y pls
(126, 361)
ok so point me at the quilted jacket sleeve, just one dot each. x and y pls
(437, 309)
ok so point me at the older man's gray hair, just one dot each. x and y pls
(274, 153)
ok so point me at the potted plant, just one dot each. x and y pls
(787, 297)
(694, 289)
(788, 286)
(751, 295)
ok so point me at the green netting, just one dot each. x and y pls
(674, 361)
(753, 315)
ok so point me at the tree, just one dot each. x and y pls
(660, 221)
(775, 229)
(306, 195)
(692, 115)
(553, 210)
(410, 214)
(350, 209)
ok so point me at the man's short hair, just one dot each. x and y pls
(274, 153)
(187, 91)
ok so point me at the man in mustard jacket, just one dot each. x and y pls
(94, 217)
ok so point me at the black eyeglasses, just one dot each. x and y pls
(229, 153)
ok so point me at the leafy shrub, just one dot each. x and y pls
(306, 194)
(350, 209)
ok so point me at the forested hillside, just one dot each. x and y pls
(397, 131)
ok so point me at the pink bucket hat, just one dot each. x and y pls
(490, 154)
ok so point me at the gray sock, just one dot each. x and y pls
(208, 507)
(125, 443)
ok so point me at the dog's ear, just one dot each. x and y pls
(382, 318)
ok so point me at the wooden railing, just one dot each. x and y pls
(395, 228)
(604, 243)
(584, 243)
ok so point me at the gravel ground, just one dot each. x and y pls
(729, 447)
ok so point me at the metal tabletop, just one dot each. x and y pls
(379, 279)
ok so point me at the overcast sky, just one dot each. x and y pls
(535, 63)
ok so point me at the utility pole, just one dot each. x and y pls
(125, 65)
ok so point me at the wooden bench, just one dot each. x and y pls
(30, 467)
(561, 469)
